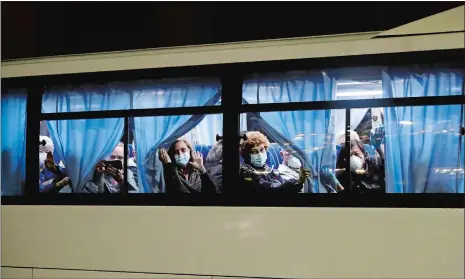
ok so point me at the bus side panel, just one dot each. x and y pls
(238, 241)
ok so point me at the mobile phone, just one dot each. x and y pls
(117, 164)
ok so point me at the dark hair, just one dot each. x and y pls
(171, 149)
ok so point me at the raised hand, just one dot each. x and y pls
(303, 175)
(377, 136)
(100, 167)
(164, 157)
(197, 162)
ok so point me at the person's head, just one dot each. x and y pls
(365, 137)
(215, 155)
(357, 156)
(117, 153)
(134, 150)
(289, 160)
(180, 152)
(45, 150)
(254, 148)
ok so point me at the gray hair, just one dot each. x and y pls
(216, 153)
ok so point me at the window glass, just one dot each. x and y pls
(82, 156)
(178, 154)
(352, 83)
(141, 94)
(291, 151)
(13, 142)
(407, 150)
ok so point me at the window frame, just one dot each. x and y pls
(232, 76)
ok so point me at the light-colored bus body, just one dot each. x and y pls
(206, 242)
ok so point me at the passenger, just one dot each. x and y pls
(184, 171)
(366, 163)
(256, 176)
(132, 166)
(108, 174)
(52, 176)
(290, 168)
(214, 164)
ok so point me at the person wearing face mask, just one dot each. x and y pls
(184, 171)
(256, 176)
(366, 163)
(289, 169)
(108, 176)
(52, 176)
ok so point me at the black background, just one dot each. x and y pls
(33, 29)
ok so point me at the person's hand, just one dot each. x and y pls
(63, 182)
(100, 167)
(377, 136)
(164, 157)
(197, 162)
(116, 173)
(339, 188)
(303, 175)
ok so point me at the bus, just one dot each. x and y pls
(343, 158)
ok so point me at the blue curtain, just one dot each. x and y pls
(13, 141)
(423, 152)
(82, 143)
(151, 132)
(111, 96)
(310, 131)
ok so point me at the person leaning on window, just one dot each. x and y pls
(256, 176)
(184, 171)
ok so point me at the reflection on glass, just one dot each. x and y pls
(293, 151)
(82, 156)
(179, 154)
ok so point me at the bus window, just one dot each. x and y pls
(82, 156)
(290, 151)
(178, 154)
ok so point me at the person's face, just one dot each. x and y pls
(117, 154)
(258, 149)
(180, 147)
(285, 156)
(356, 151)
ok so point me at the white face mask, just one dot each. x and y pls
(258, 160)
(183, 159)
(42, 157)
(356, 163)
(294, 163)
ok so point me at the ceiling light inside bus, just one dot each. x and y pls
(404, 122)
(359, 93)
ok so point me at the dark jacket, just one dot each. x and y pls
(216, 174)
(264, 180)
(176, 182)
(105, 183)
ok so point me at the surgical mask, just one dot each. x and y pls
(294, 163)
(182, 159)
(356, 163)
(258, 160)
(42, 158)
